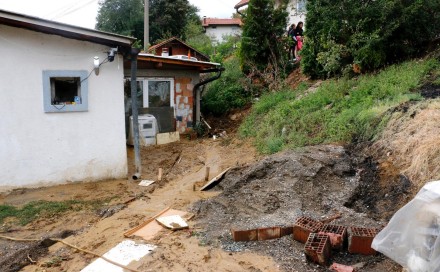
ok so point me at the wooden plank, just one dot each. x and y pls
(215, 180)
(133, 230)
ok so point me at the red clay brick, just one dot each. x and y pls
(286, 231)
(341, 268)
(318, 249)
(269, 233)
(360, 240)
(303, 227)
(244, 235)
(336, 233)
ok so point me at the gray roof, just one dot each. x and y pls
(65, 30)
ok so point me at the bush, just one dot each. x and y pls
(370, 34)
(227, 92)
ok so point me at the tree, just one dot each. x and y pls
(262, 31)
(169, 18)
(126, 17)
(369, 34)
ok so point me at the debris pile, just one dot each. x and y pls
(265, 203)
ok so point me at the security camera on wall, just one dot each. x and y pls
(111, 54)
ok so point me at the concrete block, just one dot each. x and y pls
(244, 235)
(168, 137)
(318, 249)
(337, 235)
(360, 239)
(269, 233)
(303, 227)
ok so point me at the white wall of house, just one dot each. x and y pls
(217, 33)
(296, 15)
(296, 10)
(39, 148)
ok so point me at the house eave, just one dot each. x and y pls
(65, 30)
(199, 65)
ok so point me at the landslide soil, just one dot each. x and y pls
(101, 229)
(257, 192)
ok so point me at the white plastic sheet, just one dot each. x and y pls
(412, 237)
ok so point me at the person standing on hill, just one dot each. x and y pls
(298, 33)
(292, 41)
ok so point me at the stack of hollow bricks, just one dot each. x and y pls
(184, 104)
(319, 238)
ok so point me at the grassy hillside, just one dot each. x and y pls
(336, 111)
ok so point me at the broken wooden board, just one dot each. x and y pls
(215, 180)
(146, 182)
(172, 222)
(150, 228)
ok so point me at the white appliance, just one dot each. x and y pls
(147, 130)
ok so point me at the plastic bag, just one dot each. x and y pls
(412, 237)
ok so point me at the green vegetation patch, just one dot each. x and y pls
(45, 209)
(227, 92)
(337, 111)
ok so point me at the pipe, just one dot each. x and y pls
(241, 14)
(146, 25)
(134, 111)
(196, 87)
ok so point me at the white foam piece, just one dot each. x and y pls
(124, 253)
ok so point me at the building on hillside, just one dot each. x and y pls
(219, 29)
(62, 106)
(169, 85)
(176, 48)
(295, 8)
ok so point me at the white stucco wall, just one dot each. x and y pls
(217, 34)
(295, 16)
(38, 148)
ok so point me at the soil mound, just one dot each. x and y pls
(315, 181)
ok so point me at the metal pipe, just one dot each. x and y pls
(196, 101)
(134, 111)
(146, 25)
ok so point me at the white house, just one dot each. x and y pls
(218, 29)
(295, 8)
(61, 120)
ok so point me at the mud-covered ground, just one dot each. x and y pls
(318, 181)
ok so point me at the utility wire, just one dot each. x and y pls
(73, 10)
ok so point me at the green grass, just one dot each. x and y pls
(45, 209)
(338, 111)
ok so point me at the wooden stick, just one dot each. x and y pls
(130, 232)
(67, 244)
(207, 173)
(331, 218)
(159, 175)
(19, 239)
(95, 254)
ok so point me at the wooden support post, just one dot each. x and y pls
(159, 175)
(207, 173)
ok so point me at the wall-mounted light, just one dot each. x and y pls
(96, 65)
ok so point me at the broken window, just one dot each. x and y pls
(65, 91)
